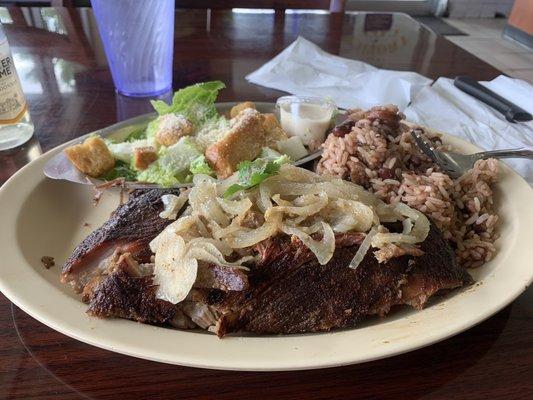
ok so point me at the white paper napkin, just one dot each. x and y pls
(445, 108)
(305, 69)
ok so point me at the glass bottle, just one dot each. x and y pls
(16, 126)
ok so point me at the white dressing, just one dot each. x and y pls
(308, 118)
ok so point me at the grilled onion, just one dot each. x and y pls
(295, 202)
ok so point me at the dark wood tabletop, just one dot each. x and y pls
(65, 76)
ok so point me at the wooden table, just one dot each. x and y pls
(70, 91)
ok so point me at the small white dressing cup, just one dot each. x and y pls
(306, 117)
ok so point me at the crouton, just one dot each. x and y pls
(144, 156)
(171, 127)
(274, 132)
(244, 141)
(240, 107)
(91, 157)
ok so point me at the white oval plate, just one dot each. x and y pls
(40, 216)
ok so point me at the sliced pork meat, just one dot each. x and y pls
(200, 313)
(219, 277)
(131, 227)
(290, 292)
(124, 291)
(285, 291)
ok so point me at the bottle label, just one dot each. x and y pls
(12, 100)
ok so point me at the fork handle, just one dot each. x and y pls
(508, 153)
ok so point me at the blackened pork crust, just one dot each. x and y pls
(124, 296)
(288, 291)
(221, 277)
(433, 272)
(131, 227)
(309, 297)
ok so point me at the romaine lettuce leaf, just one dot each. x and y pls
(120, 170)
(195, 102)
(200, 166)
(155, 173)
(293, 147)
(137, 134)
(252, 173)
(212, 131)
(173, 164)
(151, 129)
(123, 151)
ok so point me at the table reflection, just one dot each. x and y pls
(72, 44)
(109, 372)
(13, 159)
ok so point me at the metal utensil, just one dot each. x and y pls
(454, 164)
(306, 159)
(511, 111)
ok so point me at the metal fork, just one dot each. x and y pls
(454, 164)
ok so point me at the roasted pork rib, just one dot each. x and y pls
(130, 228)
(290, 292)
(286, 291)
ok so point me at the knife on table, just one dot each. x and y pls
(512, 112)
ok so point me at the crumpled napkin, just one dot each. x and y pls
(447, 109)
(305, 69)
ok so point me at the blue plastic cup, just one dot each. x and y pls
(129, 107)
(138, 38)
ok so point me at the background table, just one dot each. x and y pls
(65, 77)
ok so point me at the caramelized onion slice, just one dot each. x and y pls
(322, 249)
(363, 248)
(203, 200)
(296, 202)
(349, 215)
(172, 204)
(313, 207)
(421, 225)
(174, 272)
(235, 207)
